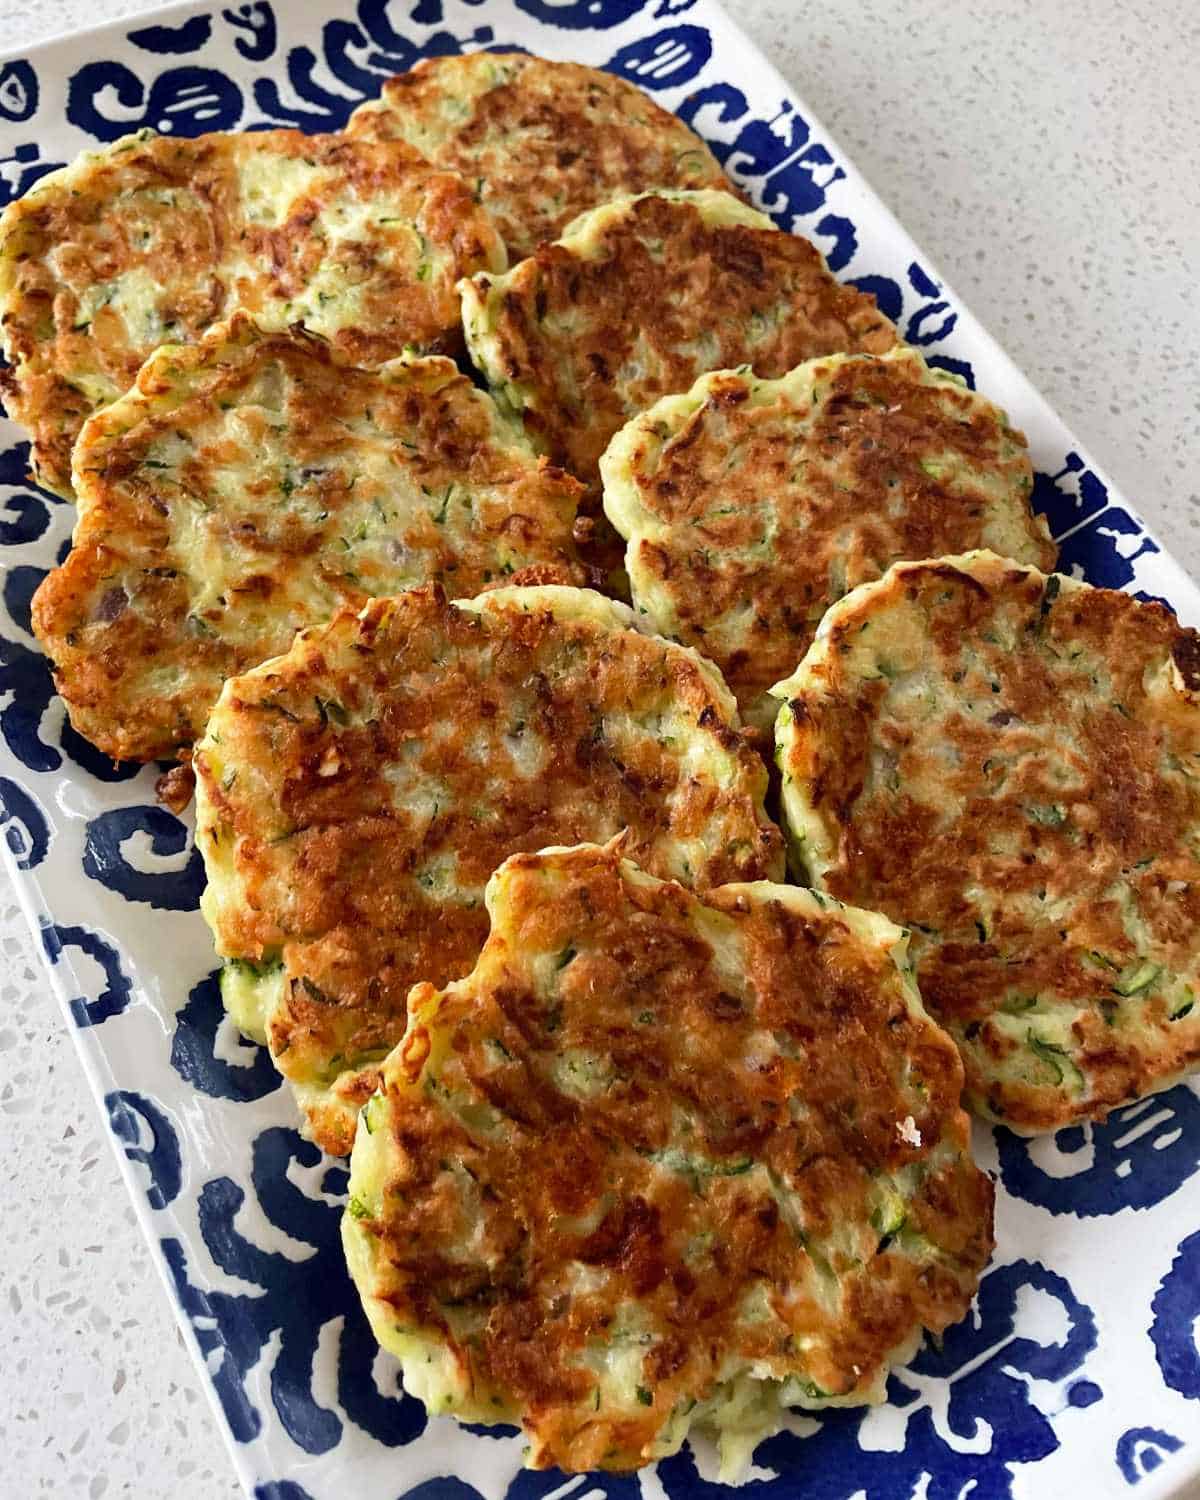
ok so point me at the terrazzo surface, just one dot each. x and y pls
(1043, 156)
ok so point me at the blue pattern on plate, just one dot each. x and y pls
(26, 828)
(102, 96)
(149, 1140)
(256, 28)
(26, 511)
(292, 1300)
(20, 169)
(26, 692)
(968, 1412)
(1139, 1156)
(194, 1049)
(106, 858)
(1175, 1331)
(117, 989)
(189, 36)
(19, 91)
(246, 1213)
(665, 60)
(1141, 1450)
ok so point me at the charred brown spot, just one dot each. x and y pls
(1185, 650)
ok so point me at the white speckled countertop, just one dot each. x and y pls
(1044, 158)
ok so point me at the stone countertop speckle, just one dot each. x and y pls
(1043, 157)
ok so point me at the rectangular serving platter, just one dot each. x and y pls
(1078, 1372)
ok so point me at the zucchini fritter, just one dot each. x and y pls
(539, 141)
(752, 505)
(1006, 762)
(155, 238)
(252, 484)
(641, 297)
(354, 796)
(662, 1162)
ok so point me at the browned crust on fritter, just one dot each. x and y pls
(677, 297)
(329, 869)
(570, 327)
(850, 498)
(116, 618)
(558, 1158)
(90, 241)
(1110, 756)
(555, 140)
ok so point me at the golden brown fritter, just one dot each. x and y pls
(636, 301)
(1005, 762)
(639, 299)
(658, 1163)
(251, 485)
(750, 506)
(355, 795)
(155, 238)
(539, 141)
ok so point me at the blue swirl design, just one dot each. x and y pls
(295, 1299)
(1028, 1324)
(23, 518)
(20, 585)
(189, 36)
(19, 91)
(173, 890)
(283, 1489)
(182, 101)
(887, 294)
(1107, 549)
(117, 989)
(193, 1050)
(150, 1140)
(26, 827)
(30, 508)
(1070, 497)
(665, 60)
(26, 691)
(99, 766)
(581, 15)
(105, 860)
(934, 320)
(258, 34)
(929, 322)
(1141, 1450)
(19, 170)
(1176, 1326)
(26, 675)
(1139, 1156)
(777, 162)
(359, 57)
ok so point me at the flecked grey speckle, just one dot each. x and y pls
(94, 1372)
(1043, 157)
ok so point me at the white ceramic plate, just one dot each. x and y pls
(1079, 1372)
